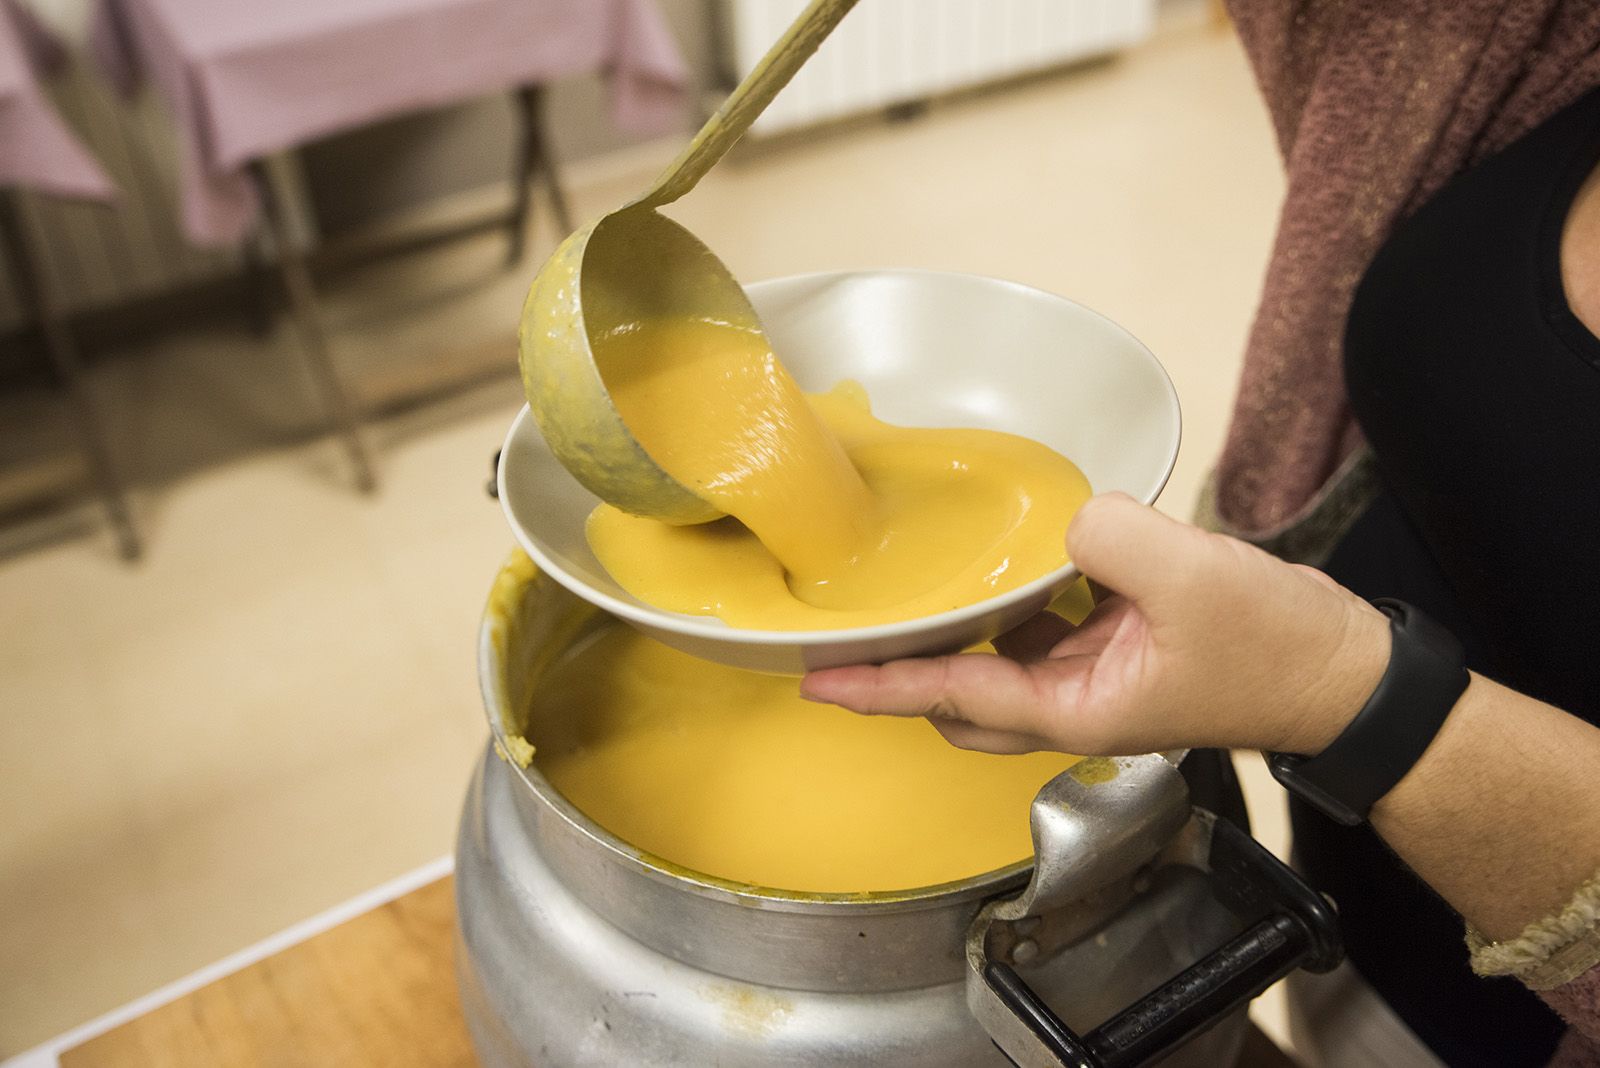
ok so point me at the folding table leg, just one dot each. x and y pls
(258, 292)
(295, 274)
(39, 302)
(533, 154)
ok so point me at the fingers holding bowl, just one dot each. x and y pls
(964, 735)
(1033, 639)
(987, 691)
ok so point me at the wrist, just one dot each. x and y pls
(1442, 758)
(1344, 674)
(1424, 679)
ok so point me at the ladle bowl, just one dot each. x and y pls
(932, 349)
(632, 266)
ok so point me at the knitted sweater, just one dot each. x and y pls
(1376, 105)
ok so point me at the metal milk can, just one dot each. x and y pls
(1140, 930)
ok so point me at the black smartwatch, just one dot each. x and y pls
(1426, 676)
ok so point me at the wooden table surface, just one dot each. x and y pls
(376, 990)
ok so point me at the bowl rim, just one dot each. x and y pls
(711, 628)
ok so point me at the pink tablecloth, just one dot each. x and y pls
(245, 78)
(36, 148)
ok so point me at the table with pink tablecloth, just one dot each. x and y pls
(247, 78)
(39, 153)
(37, 150)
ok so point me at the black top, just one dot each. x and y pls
(1479, 391)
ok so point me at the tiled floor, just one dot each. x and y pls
(278, 709)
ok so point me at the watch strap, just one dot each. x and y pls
(1426, 676)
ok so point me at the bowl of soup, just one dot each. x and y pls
(958, 399)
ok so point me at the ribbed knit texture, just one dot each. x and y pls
(1376, 104)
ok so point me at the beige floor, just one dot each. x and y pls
(277, 708)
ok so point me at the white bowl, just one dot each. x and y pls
(932, 349)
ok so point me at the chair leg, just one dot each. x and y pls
(295, 274)
(533, 156)
(552, 178)
(527, 106)
(62, 352)
(258, 294)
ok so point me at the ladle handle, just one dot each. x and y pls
(748, 100)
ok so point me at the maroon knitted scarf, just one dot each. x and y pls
(1376, 104)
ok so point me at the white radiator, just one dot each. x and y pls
(893, 51)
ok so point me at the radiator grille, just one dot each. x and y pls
(893, 51)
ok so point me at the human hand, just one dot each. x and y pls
(1207, 641)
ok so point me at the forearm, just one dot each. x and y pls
(1501, 815)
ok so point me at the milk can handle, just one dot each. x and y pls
(1298, 930)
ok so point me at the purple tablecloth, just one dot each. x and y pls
(36, 148)
(245, 78)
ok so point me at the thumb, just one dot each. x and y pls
(1134, 549)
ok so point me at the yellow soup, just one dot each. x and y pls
(730, 773)
(835, 519)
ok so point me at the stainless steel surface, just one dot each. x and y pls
(632, 265)
(1283, 925)
(1097, 823)
(577, 950)
(546, 982)
(1098, 847)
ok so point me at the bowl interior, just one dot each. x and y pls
(932, 349)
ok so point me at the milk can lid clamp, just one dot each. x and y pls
(1146, 823)
(1095, 823)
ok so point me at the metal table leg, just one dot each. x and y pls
(40, 303)
(258, 291)
(295, 274)
(533, 155)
